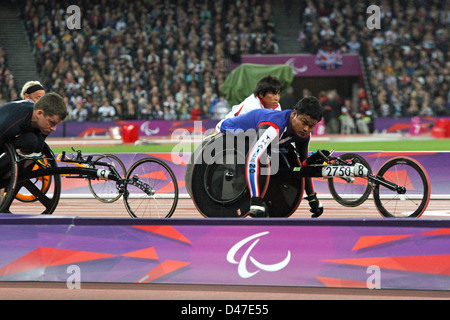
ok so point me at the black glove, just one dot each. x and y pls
(317, 158)
(315, 204)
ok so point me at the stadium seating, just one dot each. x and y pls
(144, 57)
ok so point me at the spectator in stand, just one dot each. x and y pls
(221, 108)
(169, 113)
(157, 112)
(332, 111)
(288, 100)
(354, 46)
(363, 117)
(413, 108)
(439, 107)
(183, 112)
(93, 111)
(347, 118)
(130, 110)
(426, 110)
(196, 112)
(106, 111)
(80, 113)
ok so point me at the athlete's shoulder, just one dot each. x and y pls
(278, 114)
(19, 103)
(19, 109)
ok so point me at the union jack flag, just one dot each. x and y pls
(329, 59)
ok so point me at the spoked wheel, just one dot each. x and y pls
(351, 192)
(151, 190)
(8, 176)
(106, 190)
(413, 195)
(45, 192)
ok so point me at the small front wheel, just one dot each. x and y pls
(151, 189)
(106, 190)
(351, 192)
(412, 194)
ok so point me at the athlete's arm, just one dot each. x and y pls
(267, 133)
(303, 149)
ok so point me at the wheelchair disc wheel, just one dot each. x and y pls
(47, 198)
(351, 192)
(104, 190)
(162, 198)
(412, 201)
(284, 192)
(192, 161)
(43, 183)
(217, 178)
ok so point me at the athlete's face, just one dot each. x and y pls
(46, 124)
(270, 100)
(35, 96)
(301, 124)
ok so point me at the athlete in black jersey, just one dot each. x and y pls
(27, 124)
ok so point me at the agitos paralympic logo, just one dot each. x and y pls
(246, 257)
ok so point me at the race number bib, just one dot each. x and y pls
(344, 172)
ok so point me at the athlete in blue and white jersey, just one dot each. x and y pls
(288, 126)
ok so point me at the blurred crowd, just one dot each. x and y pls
(162, 59)
(407, 59)
(8, 90)
(143, 59)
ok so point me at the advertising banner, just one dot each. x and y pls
(413, 126)
(147, 128)
(324, 64)
(373, 254)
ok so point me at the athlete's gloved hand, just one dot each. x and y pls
(317, 158)
(315, 204)
(258, 209)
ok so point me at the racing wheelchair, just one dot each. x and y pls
(149, 187)
(216, 180)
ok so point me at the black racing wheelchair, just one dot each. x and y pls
(216, 180)
(149, 187)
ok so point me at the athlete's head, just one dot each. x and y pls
(49, 111)
(32, 90)
(306, 114)
(268, 90)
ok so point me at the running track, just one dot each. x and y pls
(185, 209)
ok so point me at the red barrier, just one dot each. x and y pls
(130, 133)
(441, 129)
